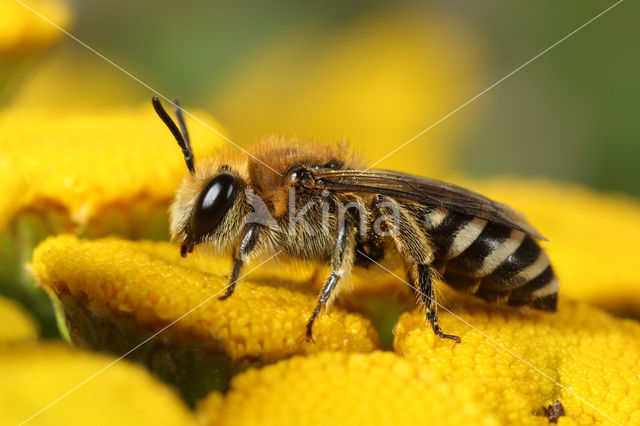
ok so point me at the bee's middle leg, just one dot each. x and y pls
(427, 296)
(247, 244)
(341, 263)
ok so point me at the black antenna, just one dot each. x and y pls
(177, 109)
(181, 138)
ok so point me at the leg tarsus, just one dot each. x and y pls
(432, 317)
(233, 280)
(427, 295)
(309, 334)
(246, 245)
(327, 290)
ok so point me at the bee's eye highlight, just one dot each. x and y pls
(213, 203)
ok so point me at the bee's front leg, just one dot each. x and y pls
(341, 263)
(427, 295)
(241, 257)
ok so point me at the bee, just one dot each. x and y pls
(319, 203)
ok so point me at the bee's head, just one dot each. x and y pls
(207, 206)
(210, 213)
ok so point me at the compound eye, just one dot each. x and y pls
(213, 203)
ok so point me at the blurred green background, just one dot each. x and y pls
(367, 69)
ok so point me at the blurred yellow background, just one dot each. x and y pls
(374, 73)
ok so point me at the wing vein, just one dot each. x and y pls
(425, 191)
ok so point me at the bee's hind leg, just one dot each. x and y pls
(427, 296)
(241, 257)
(341, 263)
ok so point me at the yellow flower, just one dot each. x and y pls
(22, 30)
(23, 35)
(34, 376)
(95, 173)
(15, 324)
(96, 169)
(593, 238)
(590, 359)
(379, 388)
(115, 293)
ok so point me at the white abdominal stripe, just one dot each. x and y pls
(494, 261)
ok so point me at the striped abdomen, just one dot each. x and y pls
(493, 261)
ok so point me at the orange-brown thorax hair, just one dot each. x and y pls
(283, 155)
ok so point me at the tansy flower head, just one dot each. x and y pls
(115, 293)
(338, 388)
(21, 30)
(517, 362)
(34, 376)
(76, 171)
(79, 164)
(23, 35)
